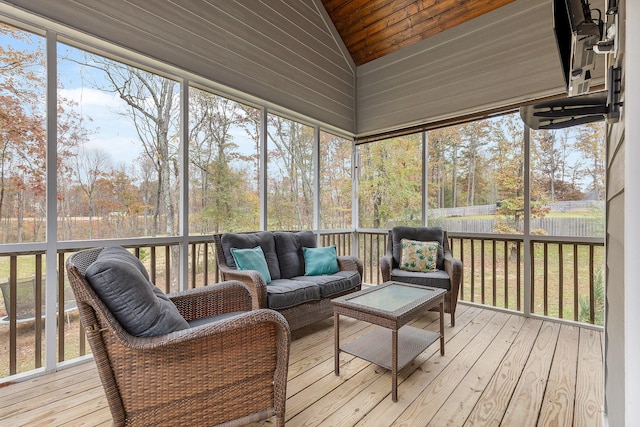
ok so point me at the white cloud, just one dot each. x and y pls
(89, 98)
(121, 148)
(108, 129)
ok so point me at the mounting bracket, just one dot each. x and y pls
(577, 110)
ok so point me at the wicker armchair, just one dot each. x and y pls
(449, 275)
(231, 371)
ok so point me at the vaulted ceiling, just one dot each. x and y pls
(371, 29)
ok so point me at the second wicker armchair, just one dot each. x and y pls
(449, 269)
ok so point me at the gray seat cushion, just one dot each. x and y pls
(212, 319)
(264, 239)
(421, 234)
(123, 285)
(289, 250)
(333, 284)
(285, 293)
(436, 279)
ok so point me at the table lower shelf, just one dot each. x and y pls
(375, 346)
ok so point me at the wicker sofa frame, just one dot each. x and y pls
(231, 372)
(298, 316)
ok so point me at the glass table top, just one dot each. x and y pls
(392, 297)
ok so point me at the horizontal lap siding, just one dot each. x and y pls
(619, 240)
(503, 57)
(280, 51)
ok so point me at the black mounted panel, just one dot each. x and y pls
(562, 113)
(577, 110)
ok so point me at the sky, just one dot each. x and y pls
(109, 130)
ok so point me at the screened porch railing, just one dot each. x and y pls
(567, 274)
(566, 283)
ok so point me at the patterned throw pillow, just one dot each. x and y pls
(419, 256)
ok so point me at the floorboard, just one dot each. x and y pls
(467, 392)
(526, 400)
(557, 404)
(495, 398)
(589, 380)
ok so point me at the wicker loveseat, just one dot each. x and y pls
(227, 365)
(302, 299)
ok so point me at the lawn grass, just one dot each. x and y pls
(25, 264)
(498, 283)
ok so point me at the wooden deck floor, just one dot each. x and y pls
(498, 369)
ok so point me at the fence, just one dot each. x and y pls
(464, 211)
(573, 227)
(477, 210)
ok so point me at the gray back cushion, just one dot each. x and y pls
(421, 234)
(289, 249)
(264, 239)
(123, 285)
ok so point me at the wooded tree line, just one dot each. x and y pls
(100, 197)
(480, 163)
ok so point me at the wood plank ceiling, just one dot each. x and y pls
(371, 29)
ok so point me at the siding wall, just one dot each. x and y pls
(280, 51)
(615, 340)
(622, 339)
(506, 56)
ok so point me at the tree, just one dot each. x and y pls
(151, 105)
(390, 184)
(72, 136)
(148, 185)
(439, 141)
(91, 166)
(508, 162)
(22, 132)
(508, 176)
(547, 159)
(23, 145)
(290, 170)
(223, 189)
(589, 143)
(473, 137)
(335, 182)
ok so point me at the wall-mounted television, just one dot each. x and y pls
(576, 32)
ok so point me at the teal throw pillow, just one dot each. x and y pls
(318, 261)
(252, 259)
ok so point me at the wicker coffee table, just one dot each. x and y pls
(390, 305)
